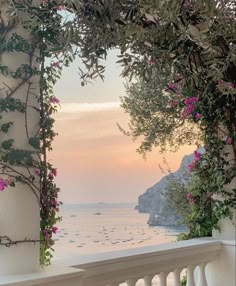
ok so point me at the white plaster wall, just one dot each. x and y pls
(221, 272)
(19, 208)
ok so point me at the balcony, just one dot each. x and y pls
(202, 259)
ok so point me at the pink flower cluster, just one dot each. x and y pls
(190, 198)
(225, 85)
(53, 173)
(47, 233)
(56, 65)
(229, 141)
(197, 157)
(175, 87)
(55, 100)
(4, 184)
(190, 107)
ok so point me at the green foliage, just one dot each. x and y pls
(11, 105)
(34, 142)
(152, 117)
(6, 145)
(16, 157)
(176, 197)
(5, 127)
(184, 281)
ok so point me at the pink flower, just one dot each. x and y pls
(231, 85)
(191, 166)
(229, 141)
(190, 108)
(190, 198)
(54, 203)
(55, 100)
(220, 83)
(171, 104)
(171, 86)
(56, 65)
(190, 100)
(2, 185)
(197, 155)
(54, 229)
(54, 172)
(198, 116)
(36, 172)
(151, 62)
(8, 182)
(185, 112)
(46, 234)
(60, 8)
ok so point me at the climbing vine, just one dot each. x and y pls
(30, 165)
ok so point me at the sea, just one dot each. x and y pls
(103, 227)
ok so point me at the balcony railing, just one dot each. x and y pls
(133, 267)
(140, 265)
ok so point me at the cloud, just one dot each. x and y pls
(89, 107)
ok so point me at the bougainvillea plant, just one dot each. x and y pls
(182, 55)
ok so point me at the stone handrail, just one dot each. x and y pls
(128, 266)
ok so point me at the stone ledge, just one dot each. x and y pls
(46, 276)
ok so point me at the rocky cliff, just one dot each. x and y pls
(153, 200)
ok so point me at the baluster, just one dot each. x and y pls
(177, 281)
(202, 276)
(148, 280)
(190, 277)
(131, 282)
(162, 277)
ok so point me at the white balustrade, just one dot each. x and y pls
(202, 275)
(162, 277)
(126, 267)
(190, 275)
(148, 280)
(177, 277)
(139, 266)
(131, 282)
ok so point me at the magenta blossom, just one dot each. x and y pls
(197, 155)
(185, 112)
(46, 234)
(191, 166)
(190, 108)
(229, 141)
(171, 86)
(220, 83)
(36, 172)
(2, 185)
(54, 172)
(198, 116)
(190, 198)
(171, 104)
(54, 229)
(60, 8)
(190, 100)
(56, 65)
(55, 100)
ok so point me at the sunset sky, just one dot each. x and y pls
(95, 161)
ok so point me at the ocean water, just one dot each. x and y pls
(95, 228)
